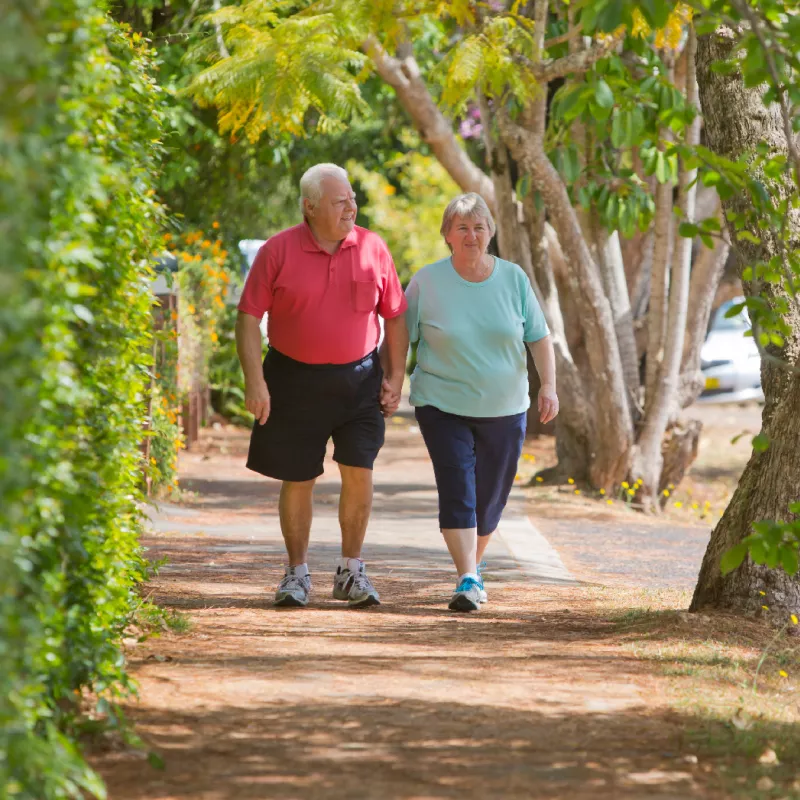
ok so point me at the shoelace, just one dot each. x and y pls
(467, 583)
(294, 582)
(361, 581)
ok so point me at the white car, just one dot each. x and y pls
(729, 360)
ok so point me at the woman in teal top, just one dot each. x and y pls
(473, 315)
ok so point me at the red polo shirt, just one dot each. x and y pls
(323, 308)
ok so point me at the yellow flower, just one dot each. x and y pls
(190, 308)
(602, 491)
(153, 461)
(679, 504)
(205, 243)
(766, 608)
(214, 337)
(763, 594)
(695, 506)
(610, 502)
(665, 492)
(794, 618)
(570, 481)
(577, 491)
(215, 225)
(783, 673)
(517, 476)
(631, 492)
(671, 486)
(626, 485)
(389, 189)
(539, 479)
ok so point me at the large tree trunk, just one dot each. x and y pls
(736, 121)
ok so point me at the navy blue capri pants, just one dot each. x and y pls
(475, 461)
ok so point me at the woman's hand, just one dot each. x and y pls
(390, 395)
(548, 403)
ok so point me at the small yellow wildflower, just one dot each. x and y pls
(626, 485)
(570, 481)
(763, 594)
(766, 608)
(794, 618)
(153, 461)
(215, 225)
(695, 506)
(671, 486)
(577, 491)
(610, 502)
(602, 491)
(679, 504)
(539, 479)
(631, 492)
(783, 673)
(665, 492)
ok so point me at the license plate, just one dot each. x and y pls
(712, 383)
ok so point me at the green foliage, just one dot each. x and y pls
(225, 374)
(404, 205)
(80, 125)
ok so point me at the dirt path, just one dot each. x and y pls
(537, 696)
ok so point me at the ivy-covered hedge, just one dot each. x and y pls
(80, 125)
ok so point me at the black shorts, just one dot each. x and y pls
(311, 403)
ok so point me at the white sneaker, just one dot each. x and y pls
(355, 587)
(293, 590)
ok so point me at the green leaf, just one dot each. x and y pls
(603, 95)
(155, 760)
(788, 559)
(761, 443)
(688, 230)
(733, 558)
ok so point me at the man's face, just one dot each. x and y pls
(335, 214)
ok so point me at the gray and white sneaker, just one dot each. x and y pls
(293, 590)
(467, 596)
(355, 587)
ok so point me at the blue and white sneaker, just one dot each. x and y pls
(484, 596)
(467, 596)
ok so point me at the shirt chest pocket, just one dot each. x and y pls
(365, 295)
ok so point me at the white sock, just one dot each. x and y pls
(473, 575)
(353, 564)
(301, 570)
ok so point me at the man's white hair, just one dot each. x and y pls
(311, 182)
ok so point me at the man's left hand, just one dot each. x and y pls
(390, 395)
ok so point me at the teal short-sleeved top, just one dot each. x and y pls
(471, 356)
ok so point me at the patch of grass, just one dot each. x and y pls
(150, 619)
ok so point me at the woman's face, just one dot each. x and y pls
(468, 236)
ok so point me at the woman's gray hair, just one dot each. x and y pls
(311, 182)
(467, 205)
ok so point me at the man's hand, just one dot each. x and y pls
(548, 403)
(256, 400)
(390, 395)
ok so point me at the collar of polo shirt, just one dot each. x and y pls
(310, 245)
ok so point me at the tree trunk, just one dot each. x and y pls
(707, 270)
(648, 459)
(608, 452)
(736, 121)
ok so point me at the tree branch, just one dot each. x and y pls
(404, 76)
(550, 69)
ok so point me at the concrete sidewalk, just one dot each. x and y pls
(403, 532)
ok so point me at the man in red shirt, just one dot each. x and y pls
(324, 283)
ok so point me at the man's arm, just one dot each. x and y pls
(248, 347)
(393, 355)
(545, 360)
